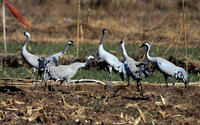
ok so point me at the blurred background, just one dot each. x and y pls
(137, 20)
(54, 22)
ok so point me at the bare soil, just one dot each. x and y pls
(93, 104)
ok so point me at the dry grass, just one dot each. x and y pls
(156, 20)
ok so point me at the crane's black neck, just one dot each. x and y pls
(65, 49)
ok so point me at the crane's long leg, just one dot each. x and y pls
(67, 83)
(45, 85)
(61, 82)
(46, 78)
(166, 90)
(36, 76)
(173, 81)
(36, 82)
(128, 79)
(186, 84)
(68, 88)
(71, 93)
(110, 75)
(51, 87)
(139, 87)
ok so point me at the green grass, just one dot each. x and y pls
(21, 72)
(90, 49)
(8, 72)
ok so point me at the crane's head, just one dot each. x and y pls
(104, 31)
(90, 57)
(70, 42)
(27, 34)
(89, 60)
(145, 44)
(121, 42)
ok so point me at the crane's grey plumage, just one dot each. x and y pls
(62, 72)
(137, 70)
(110, 60)
(55, 56)
(167, 68)
(59, 54)
(31, 59)
(37, 62)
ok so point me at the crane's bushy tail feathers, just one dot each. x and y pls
(182, 75)
(120, 68)
(144, 69)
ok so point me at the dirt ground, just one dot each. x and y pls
(92, 103)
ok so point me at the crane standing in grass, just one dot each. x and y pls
(137, 70)
(37, 62)
(110, 60)
(167, 68)
(62, 72)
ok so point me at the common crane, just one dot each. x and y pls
(62, 72)
(110, 60)
(59, 54)
(167, 68)
(55, 56)
(37, 62)
(137, 70)
(31, 59)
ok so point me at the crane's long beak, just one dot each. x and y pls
(141, 46)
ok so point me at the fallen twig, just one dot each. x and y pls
(87, 80)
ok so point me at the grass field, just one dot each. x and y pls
(91, 49)
(133, 50)
(154, 77)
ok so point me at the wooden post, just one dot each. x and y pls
(185, 40)
(78, 21)
(4, 26)
(83, 34)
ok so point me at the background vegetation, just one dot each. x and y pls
(135, 21)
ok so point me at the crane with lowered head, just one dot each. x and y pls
(137, 70)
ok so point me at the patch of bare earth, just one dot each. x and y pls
(94, 104)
